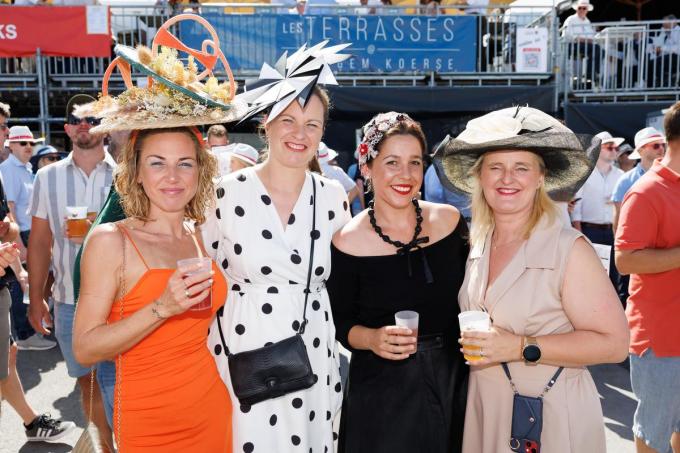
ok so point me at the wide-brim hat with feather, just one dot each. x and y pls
(175, 93)
(292, 78)
(569, 158)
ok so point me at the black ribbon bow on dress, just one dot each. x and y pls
(406, 249)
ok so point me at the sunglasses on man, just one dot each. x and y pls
(658, 146)
(52, 157)
(91, 120)
(582, 8)
(24, 143)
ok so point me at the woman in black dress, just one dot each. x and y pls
(399, 254)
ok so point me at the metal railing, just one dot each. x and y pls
(620, 58)
(624, 58)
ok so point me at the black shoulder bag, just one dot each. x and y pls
(280, 368)
(527, 417)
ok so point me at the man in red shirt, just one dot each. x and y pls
(648, 248)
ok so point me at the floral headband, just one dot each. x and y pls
(374, 131)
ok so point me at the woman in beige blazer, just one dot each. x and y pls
(548, 296)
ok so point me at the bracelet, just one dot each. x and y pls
(521, 348)
(155, 311)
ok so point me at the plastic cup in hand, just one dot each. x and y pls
(198, 266)
(408, 319)
(76, 221)
(474, 321)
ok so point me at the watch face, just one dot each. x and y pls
(532, 353)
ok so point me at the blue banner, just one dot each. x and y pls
(380, 44)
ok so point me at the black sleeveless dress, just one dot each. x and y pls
(416, 405)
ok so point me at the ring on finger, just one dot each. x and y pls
(481, 352)
(186, 293)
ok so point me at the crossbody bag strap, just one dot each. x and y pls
(303, 324)
(312, 234)
(547, 387)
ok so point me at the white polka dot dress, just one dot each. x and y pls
(266, 267)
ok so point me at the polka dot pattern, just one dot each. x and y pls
(267, 270)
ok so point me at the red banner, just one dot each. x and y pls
(63, 31)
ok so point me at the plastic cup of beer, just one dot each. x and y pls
(408, 319)
(198, 266)
(474, 321)
(76, 221)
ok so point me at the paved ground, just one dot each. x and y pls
(50, 389)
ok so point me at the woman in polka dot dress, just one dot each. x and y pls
(260, 233)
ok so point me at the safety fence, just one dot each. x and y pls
(416, 45)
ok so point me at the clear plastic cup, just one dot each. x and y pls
(474, 321)
(408, 319)
(76, 221)
(205, 266)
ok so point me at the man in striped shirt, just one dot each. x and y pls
(81, 179)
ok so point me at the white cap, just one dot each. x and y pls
(326, 154)
(22, 134)
(606, 137)
(243, 152)
(585, 3)
(644, 136)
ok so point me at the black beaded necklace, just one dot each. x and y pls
(402, 248)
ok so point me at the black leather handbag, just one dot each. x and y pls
(279, 368)
(527, 417)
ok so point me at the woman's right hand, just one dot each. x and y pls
(183, 291)
(393, 342)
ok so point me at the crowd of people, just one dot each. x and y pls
(658, 66)
(202, 307)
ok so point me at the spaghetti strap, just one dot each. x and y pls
(127, 234)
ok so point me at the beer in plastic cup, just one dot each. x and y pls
(474, 321)
(205, 266)
(76, 221)
(408, 319)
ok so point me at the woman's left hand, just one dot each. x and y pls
(495, 346)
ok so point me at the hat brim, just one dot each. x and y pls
(617, 141)
(646, 142)
(32, 140)
(243, 159)
(575, 6)
(35, 159)
(139, 120)
(569, 159)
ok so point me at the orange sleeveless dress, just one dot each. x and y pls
(171, 395)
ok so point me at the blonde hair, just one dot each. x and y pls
(482, 214)
(134, 200)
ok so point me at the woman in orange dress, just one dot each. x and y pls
(136, 308)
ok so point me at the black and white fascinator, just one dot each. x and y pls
(292, 77)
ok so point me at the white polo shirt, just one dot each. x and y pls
(595, 205)
(64, 184)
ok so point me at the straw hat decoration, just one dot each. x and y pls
(176, 94)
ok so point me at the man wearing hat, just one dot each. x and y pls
(18, 176)
(234, 157)
(18, 184)
(580, 33)
(623, 159)
(45, 155)
(330, 169)
(648, 249)
(650, 145)
(83, 178)
(593, 211)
